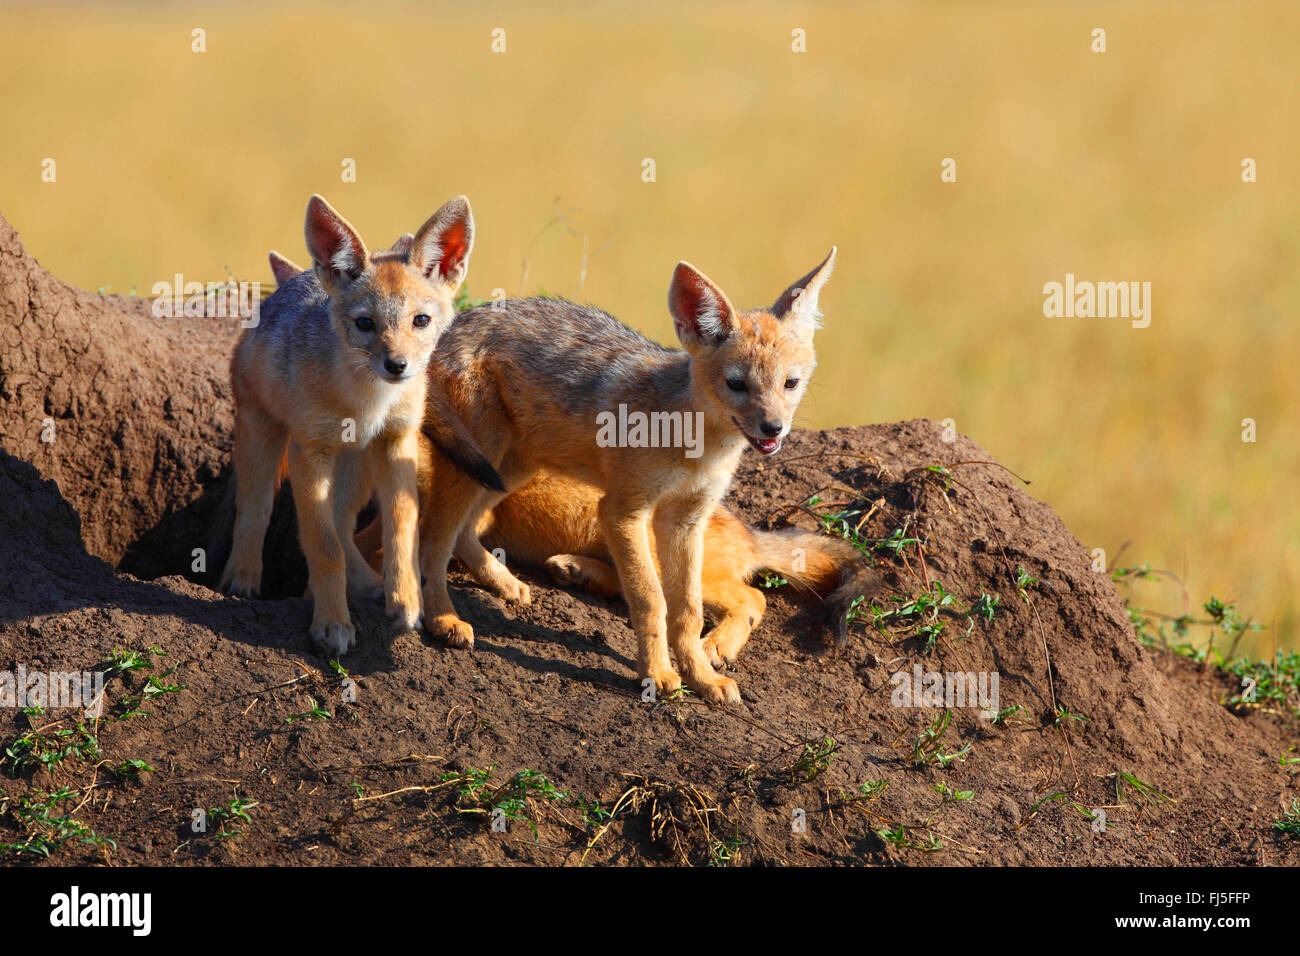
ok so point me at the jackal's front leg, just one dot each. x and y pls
(311, 473)
(679, 539)
(626, 535)
(351, 492)
(393, 466)
(451, 497)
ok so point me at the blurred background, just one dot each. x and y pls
(1124, 165)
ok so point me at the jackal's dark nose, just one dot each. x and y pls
(771, 429)
(395, 366)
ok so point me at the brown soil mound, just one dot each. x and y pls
(421, 743)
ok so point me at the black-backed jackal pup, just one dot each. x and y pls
(335, 371)
(544, 383)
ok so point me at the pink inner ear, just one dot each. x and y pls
(454, 243)
(688, 302)
(328, 239)
(692, 298)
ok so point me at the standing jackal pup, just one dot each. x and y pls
(336, 371)
(540, 383)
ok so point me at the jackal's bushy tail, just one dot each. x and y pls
(829, 567)
(446, 430)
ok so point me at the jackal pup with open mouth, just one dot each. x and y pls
(547, 384)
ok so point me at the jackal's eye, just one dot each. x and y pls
(737, 384)
(364, 323)
(420, 321)
(791, 383)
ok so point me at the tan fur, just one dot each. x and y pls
(334, 370)
(530, 380)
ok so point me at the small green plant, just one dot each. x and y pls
(1275, 683)
(155, 686)
(928, 748)
(1024, 581)
(897, 836)
(847, 524)
(34, 750)
(1006, 715)
(814, 760)
(1172, 632)
(900, 837)
(865, 793)
(931, 634)
(724, 852)
(896, 542)
(771, 580)
(592, 813)
(316, 712)
(1290, 822)
(923, 612)
(123, 661)
(473, 783)
(873, 788)
(225, 817)
(1144, 790)
(986, 607)
(943, 759)
(516, 799)
(1061, 795)
(1062, 715)
(46, 825)
(950, 795)
(131, 770)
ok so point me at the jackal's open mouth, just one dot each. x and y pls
(764, 446)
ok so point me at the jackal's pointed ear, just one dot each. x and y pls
(403, 244)
(702, 315)
(799, 302)
(282, 268)
(337, 252)
(442, 246)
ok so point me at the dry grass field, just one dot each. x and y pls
(1117, 166)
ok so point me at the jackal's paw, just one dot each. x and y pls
(510, 588)
(667, 681)
(452, 630)
(721, 690)
(723, 649)
(335, 638)
(404, 613)
(241, 583)
(564, 570)
(714, 653)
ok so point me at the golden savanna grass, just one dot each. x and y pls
(1117, 166)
